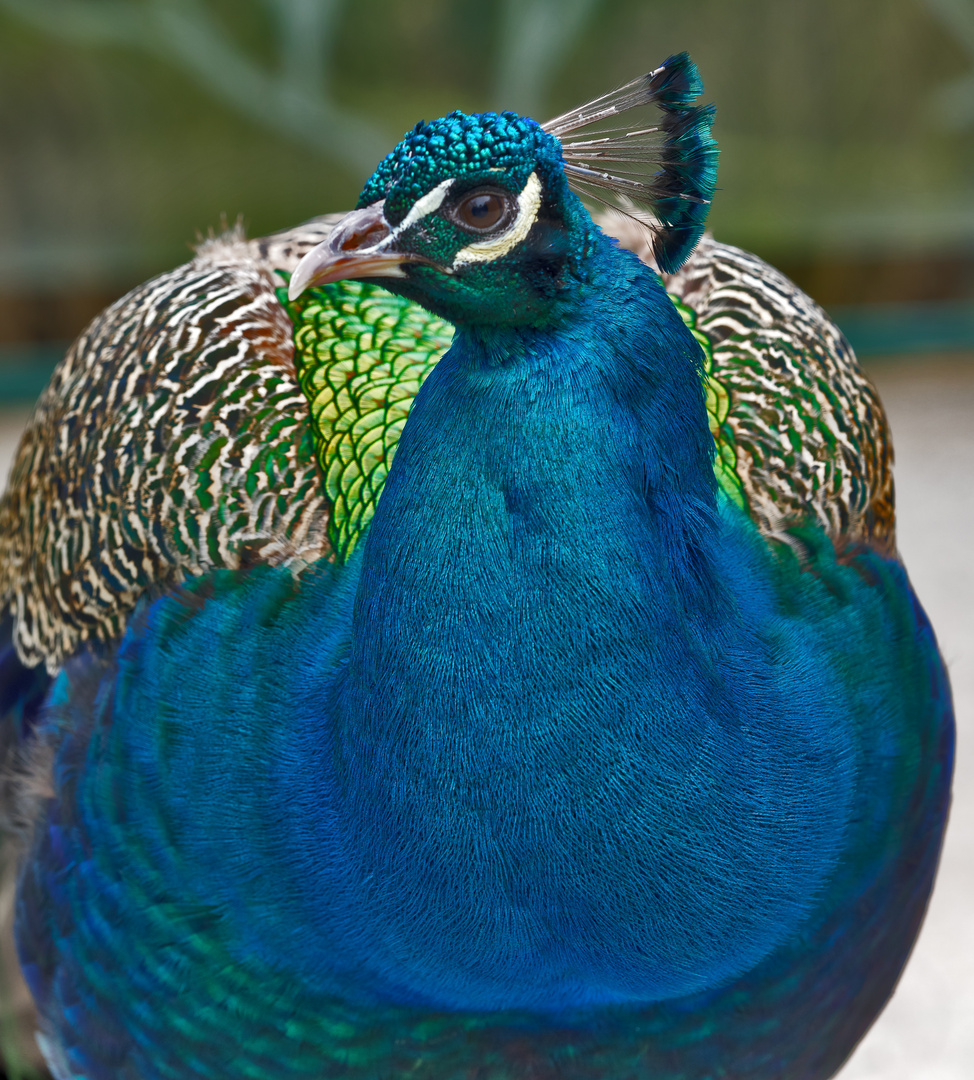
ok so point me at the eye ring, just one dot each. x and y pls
(484, 210)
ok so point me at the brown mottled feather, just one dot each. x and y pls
(113, 489)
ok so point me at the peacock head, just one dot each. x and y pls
(471, 216)
(474, 216)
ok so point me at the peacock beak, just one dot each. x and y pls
(362, 245)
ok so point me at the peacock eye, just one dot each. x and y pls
(480, 211)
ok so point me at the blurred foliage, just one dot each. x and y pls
(127, 126)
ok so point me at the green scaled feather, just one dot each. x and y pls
(718, 411)
(361, 356)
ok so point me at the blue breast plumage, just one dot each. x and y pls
(492, 665)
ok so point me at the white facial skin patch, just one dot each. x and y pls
(528, 204)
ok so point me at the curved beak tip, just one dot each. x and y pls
(296, 286)
(354, 249)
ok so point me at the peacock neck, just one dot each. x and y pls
(547, 480)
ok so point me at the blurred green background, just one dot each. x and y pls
(127, 127)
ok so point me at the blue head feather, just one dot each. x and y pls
(501, 147)
(532, 282)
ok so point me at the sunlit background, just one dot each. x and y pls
(129, 127)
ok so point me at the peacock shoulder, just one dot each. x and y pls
(172, 439)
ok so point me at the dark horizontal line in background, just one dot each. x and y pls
(26, 368)
(873, 330)
(933, 326)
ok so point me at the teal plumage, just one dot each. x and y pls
(575, 722)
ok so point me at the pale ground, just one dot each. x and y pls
(927, 1032)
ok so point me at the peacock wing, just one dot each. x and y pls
(800, 432)
(204, 421)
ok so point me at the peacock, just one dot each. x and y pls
(443, 640)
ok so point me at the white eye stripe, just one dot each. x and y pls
(421, 208)
(528, 204)
(429, 202)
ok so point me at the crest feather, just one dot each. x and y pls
(668, 168)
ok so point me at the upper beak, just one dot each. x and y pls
(361, 245)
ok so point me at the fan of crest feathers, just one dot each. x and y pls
(437, 645)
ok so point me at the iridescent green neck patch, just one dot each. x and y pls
(718, 412)
(361, 356)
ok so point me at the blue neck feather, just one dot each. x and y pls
(538, 664)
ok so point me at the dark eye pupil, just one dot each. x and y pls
(482, 211)
(481, 206)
